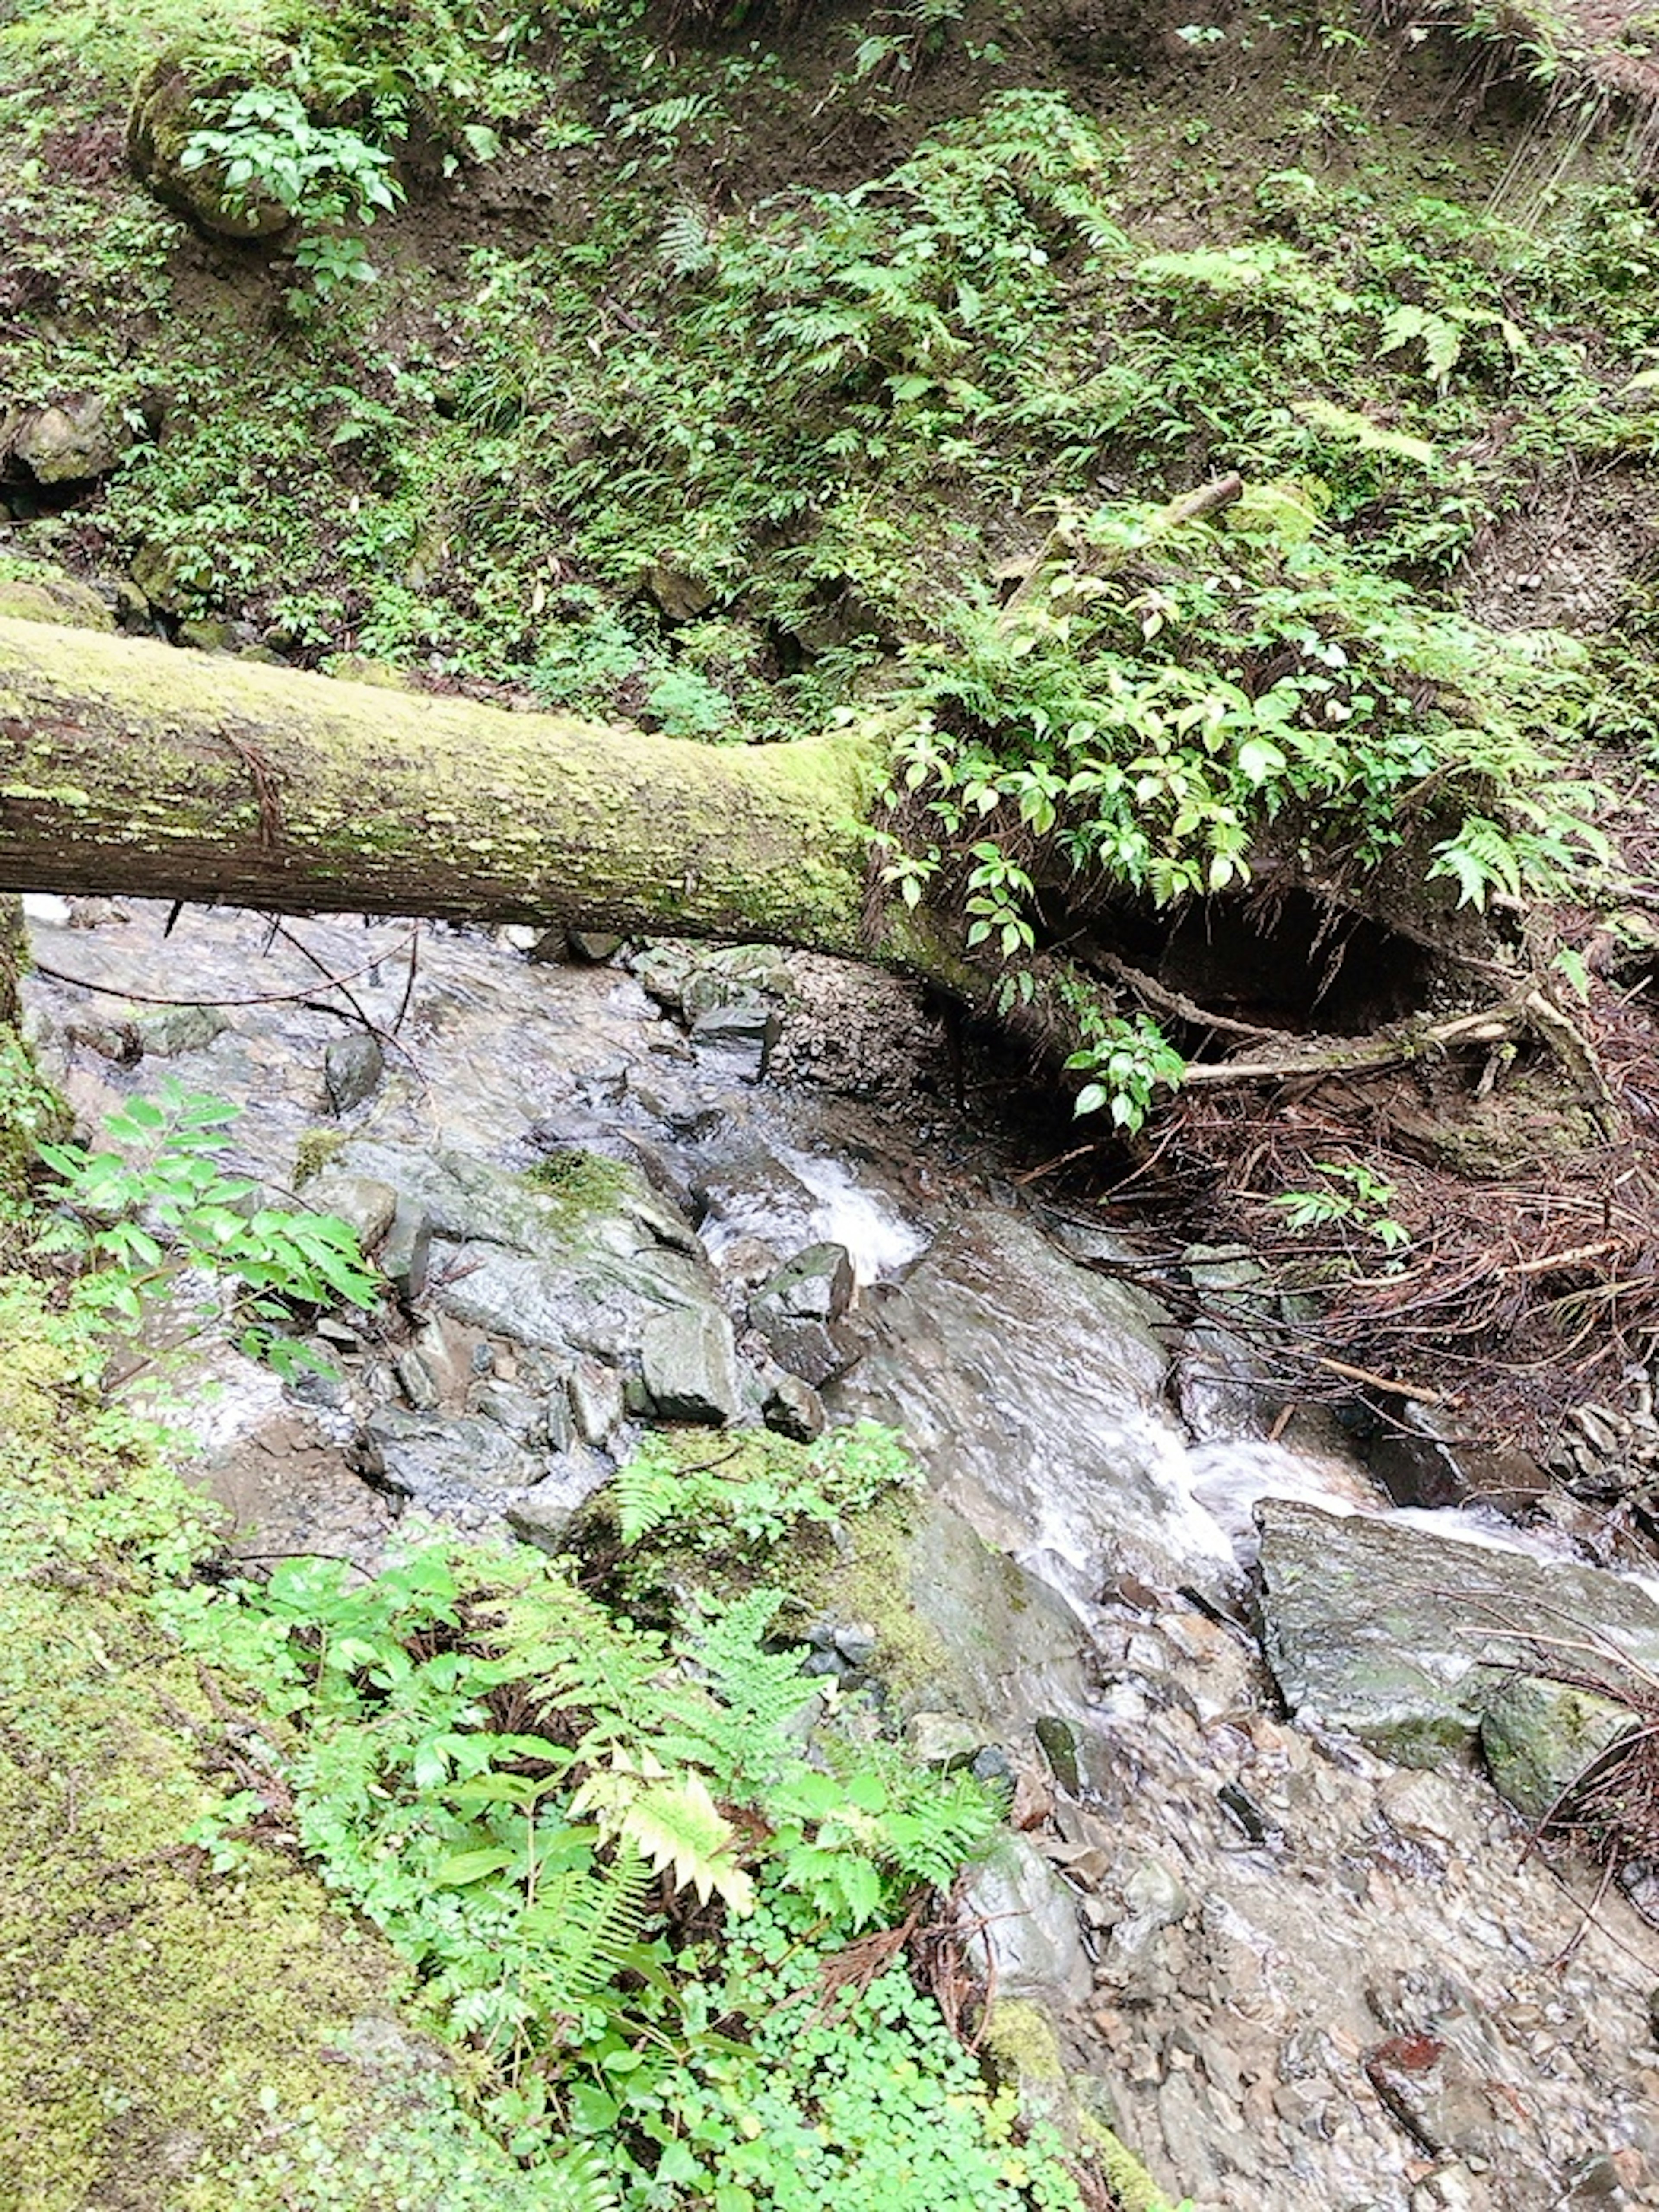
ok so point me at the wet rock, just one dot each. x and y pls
(689, 1366)
(743, 1032)
(543, 1516)
(817, 1285)
(405, 1256)
(1382, 1629)
(365, 1203)
(552, 947)
(596, 1401)
(1029, 1936)
(1441, 2099)
(576, 1268)
(689, 980)
(168, 1031)
(1418, 1466)
(436, 1461)
(593, 946)
(1540, 1736)
(681, 1112)
(794, 1408)
(352, 1068)
(797, 1309)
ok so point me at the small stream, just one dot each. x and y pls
(1235, 1914)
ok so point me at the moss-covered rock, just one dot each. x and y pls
(168, 107)
(46, 594)
(172, 2038)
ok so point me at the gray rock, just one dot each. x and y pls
(857, 1641)
(817, 1285)
(366, 1204)
(543, 1516)
(1540, 1736)
(167, 1031)
(352, 1069)
(1417, 1467)
(416, 1379)
(797, 1311)
(405, 1256)
(577, 1269)
(1028, 1936)
(593, 946)
(746, 1032)
(436, 1462)
(1382, 1629)
(943, 1739)
(596, 1401)
(518, 1412)
(690, 1365)
(794, 1408)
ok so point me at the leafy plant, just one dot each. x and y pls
(267, 148)
(618, 1865)
(162, 1201)
(1126, 1062)
(1352, 1197)
(759, 1490)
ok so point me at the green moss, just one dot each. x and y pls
(49, 599)
(314, 1152)
(1020, 2042)
(869, 1580)
(1126, 2175)
(582, 1183)
(170, 2040)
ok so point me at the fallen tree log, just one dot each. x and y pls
(127, 767)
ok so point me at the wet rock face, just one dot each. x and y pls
(1404, 1640)
(689, 1366)
(352, 1070)
(796, 1311)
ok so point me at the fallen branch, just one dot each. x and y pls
(1183, 1008)
(1419, 1393)
(1492, 1026)
(1192, 506)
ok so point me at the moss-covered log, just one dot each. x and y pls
(128, 767)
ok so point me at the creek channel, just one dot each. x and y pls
(1283, 1925)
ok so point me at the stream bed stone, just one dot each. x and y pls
(1375, 1627)
(1294, 1974)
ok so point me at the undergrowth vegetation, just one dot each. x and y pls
(633, 424)
(661, 1887)
(674, 1897)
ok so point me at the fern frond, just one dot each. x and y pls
(583, 1927)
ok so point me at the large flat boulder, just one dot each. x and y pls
(1409, 1640)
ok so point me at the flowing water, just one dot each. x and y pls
(1263, 1908)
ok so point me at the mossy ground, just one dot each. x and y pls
(172, 2040)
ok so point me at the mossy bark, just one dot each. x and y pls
(127, 767)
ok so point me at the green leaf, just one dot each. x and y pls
(468, 1867)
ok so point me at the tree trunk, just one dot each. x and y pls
(133, 768)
